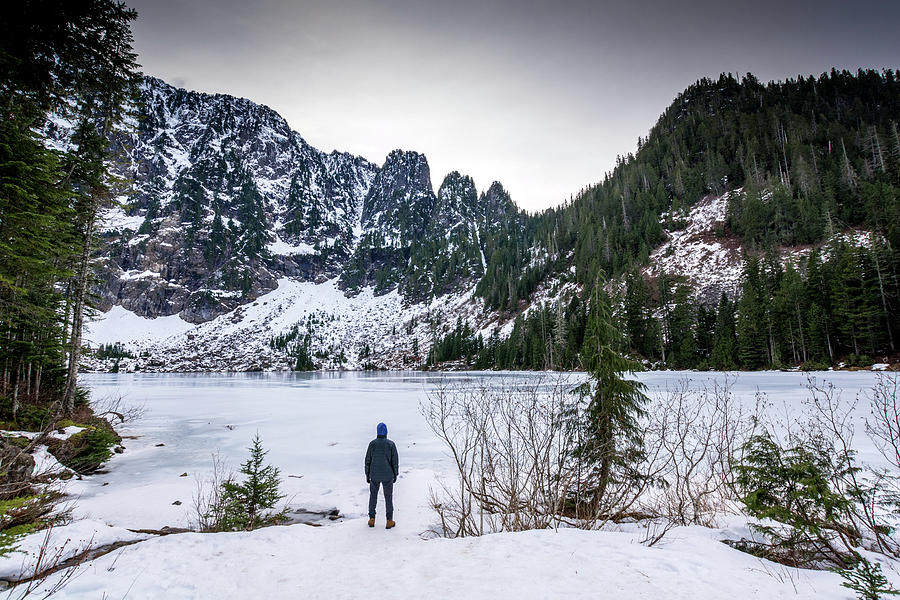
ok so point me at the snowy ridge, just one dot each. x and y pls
(226, 198)
(236, 232)
(227, 201)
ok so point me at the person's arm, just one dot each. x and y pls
(395, 461)
(368, 462)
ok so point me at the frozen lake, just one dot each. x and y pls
(316, 426)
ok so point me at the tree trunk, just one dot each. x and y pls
(15, 398)
(884, 305)
(607, 445)
(793, 343)
(800, 328)
(81, 280)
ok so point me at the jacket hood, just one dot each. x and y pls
(382, 429)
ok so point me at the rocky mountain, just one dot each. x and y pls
(239, 246)
(227, 199)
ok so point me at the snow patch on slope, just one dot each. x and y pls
(115, 219)
(281, 248)
(122, 326)
(396, 333)
(708, 260)
(712, 260)
(339, 327)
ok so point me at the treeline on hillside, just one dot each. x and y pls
(813, 155)
(832, 306)
(60, 63)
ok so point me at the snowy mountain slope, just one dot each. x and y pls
(400, 201)
(226, 200)
(345, 332)
(228, 205)
(700, 251)
(710, 259)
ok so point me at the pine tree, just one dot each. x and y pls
(724, 351)
(750, 328)
(866, 579)
(615, 402)
(788, 307)
(560, 334)
(818, 345)
(74, 59)
(247, 504)
(637, 301)
(683, 329)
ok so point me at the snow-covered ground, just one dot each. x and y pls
(397, 333)
(316, 427)
(698, 253)
(350, 560)
(713, 261)
(121, 326)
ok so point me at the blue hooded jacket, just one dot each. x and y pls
(382, 461)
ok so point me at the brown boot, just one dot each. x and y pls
(371, 522)
(389, 524)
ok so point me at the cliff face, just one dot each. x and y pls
(226, 199)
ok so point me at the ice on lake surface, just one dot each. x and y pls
(316, 427)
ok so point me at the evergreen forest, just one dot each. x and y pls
(68, 63)
(810, 160)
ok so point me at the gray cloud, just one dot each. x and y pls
(539, 95)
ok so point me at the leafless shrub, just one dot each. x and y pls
(872, 492)
(511, 451)
(31, 493)
(208, 504)
(781, 573)
(118, 408)
(49, 560)
(698, 432)
(883, 427)
(655, 530)
(36, 499)
(512, 445)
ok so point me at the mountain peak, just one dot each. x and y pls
(401, 200)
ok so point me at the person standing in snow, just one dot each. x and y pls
(382, 467)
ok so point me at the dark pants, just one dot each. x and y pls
(388, 498)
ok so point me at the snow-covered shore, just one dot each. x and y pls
(350, 560)
(316, 427)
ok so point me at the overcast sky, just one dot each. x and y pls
(541, 96)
